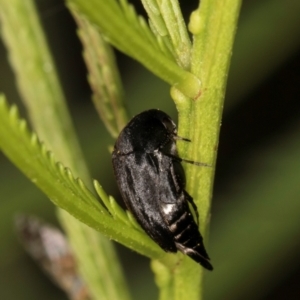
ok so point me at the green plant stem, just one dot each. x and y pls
(42, 94)
(213, 26)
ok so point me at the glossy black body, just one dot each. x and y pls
(152, 183)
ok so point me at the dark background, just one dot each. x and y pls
(254, 239)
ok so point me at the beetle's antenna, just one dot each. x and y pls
(200, 164)
(179, 138)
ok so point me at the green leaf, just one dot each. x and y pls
(58, 183)
(167, 22)
(120, 24)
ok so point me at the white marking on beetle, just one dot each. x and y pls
(167, 208)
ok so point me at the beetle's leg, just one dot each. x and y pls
(191, 201)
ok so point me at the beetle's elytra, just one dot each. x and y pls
(152, 183)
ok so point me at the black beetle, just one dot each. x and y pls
(151, 180)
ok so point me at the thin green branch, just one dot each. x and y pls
(103, 75)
